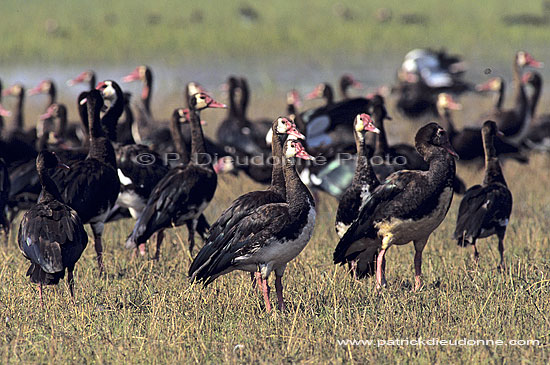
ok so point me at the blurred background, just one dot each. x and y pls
(278, 45)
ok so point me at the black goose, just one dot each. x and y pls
(257, 128)
(243, 205)
(485, 209)
(266, 238)
(407, 207)
(91, 187)
(235, 131)
(468, 142)
(4, 195)
(363, 184)
(514, 123)
(17, 145)
(347, 81)
(332, 116)
(145, 75)
(538, 137)
(184, 192)
(51, 234)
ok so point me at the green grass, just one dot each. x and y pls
(148, 312)
(66, 31)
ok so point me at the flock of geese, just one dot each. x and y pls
(110, 167)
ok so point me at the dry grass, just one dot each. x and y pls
(147, 312)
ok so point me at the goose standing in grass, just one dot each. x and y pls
(363, 184)
(408, 206)
(51, 234)
(268, 237)
(485, 209)
(186, 190)
(91, 186)
(243, 205)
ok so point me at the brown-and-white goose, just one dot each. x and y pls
(268, 237)
(407, 207)
(363, 184)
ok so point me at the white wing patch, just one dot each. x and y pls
(124, 180)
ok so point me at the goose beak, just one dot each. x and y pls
(314, 94)
(100, 85)
(35, 90)
(63, 166)
(500, 134)
(294, 132)
(451, 150)
(134, 76)
(6, 92)
(215, 104)
(4, 112)
(46, 115)
(77, 80)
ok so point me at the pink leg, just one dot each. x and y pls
(279, 290)
(258, 277)
(380, 270)
(353, 268)
(265, 290)
(417, 270)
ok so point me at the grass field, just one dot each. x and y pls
(147, 312)
(325, 32)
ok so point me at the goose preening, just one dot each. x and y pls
(468, 142)
(408, 206)
(363, 184)
(266, 238)
(485, 209)
(51, 235)
(91, 186)
(514, 123)
(184, 192)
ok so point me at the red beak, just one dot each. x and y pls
(302, 153)
(6, 92)
(314, 94)
(4, 112)
(35, 90)
(77, 80)
(132, 77)
(215, 104)
(294, 132)
(100, 85)
(47, 114)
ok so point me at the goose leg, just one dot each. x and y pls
(501, 266)
(191, 226)
(419, 247)
(40, 295)
(353, 268)
(70, 281)
(265, 291)
(380, 270)
(256, 280)
(160, 237)
(279, 290)
(476, 253)
(97, 229)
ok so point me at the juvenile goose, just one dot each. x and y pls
(407, 207)
(184, 192)
(485, 209)
(51, 234)
(363, 184)
(268, 237)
